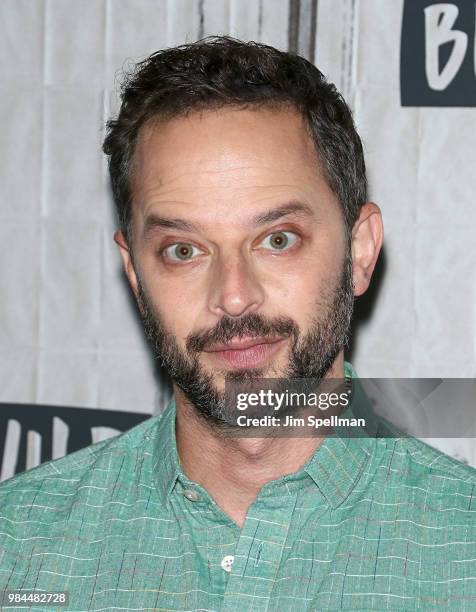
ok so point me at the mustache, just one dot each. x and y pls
(249, 325)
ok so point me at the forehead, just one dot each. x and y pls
(226, 159)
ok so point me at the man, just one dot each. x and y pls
(245, 234)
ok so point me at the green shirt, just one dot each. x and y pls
(367, 524)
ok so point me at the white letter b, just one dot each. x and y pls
(439, 20)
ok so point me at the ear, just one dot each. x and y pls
(367, 238)
(126, 255)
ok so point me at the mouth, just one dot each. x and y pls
(246, 352)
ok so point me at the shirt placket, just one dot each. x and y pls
(259, 551)
(216, 543)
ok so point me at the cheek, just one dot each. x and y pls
(304, 293)
(172, 300)
(286, 288)
(296, 295)
(179, 312)
(301, 280)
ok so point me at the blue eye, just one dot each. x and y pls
(181, 251)
(280, 241)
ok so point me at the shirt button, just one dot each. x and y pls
(191, 495)
(227, 562)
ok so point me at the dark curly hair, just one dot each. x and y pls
(220, 71)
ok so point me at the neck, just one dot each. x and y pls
(233, 470)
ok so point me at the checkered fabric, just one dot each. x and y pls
(367, 524)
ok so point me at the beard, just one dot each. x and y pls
(310, 357)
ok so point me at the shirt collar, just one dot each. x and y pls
(339, 462)
(166, 468)
(336, 466)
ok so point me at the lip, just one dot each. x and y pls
(243, 343)
(247, 352)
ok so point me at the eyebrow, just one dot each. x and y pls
(297, 208)
(154, 221)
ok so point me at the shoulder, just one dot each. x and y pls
(69, 508)
(409, 468)
(425, 459)
(54, 483)
(437, 461)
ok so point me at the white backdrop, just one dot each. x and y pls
(68, 330)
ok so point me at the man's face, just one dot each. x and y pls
(241, 266)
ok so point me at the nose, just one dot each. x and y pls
(235, 289)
